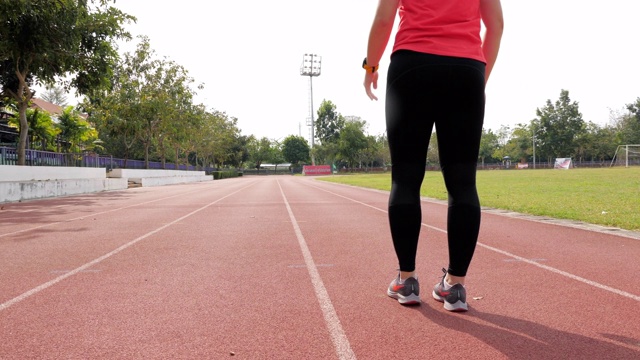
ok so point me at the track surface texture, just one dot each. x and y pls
(284, 267)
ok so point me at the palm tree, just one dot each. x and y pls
(75, 132)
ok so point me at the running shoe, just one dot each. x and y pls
(407, 292)
(454, 299)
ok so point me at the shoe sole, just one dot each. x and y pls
(458, 306)
(412, 299)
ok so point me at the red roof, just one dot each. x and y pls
(51, 108)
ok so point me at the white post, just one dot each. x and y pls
(626, 147)
(534, 150)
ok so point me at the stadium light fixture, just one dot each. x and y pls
(311, 66)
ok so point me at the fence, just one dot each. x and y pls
(9, 156)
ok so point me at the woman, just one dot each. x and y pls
(437, 75)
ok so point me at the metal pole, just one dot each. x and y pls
(311, 72)
(313, 136)
(534, 150)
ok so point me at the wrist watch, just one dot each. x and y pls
(369, 68)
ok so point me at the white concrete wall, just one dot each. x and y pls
(28, 190)
(35, 173)
(159, 181)
(143, 173)
(19, 183)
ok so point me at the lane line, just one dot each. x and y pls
(98, 213)
(580, 225)
(513, 256)
(564, 273)
(84, 267)
(338, 336)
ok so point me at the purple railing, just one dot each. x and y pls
(9, 156)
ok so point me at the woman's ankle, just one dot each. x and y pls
(452, 280)
(404, 275)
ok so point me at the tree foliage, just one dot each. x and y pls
(630, 124)
(76, 134)
(259, 150)
(488, 145)
(42, 130)
(329, 123)
(295, 150)
(559, 126)
(41, 40)
(352, 142)
(277, 156)
(55, 95)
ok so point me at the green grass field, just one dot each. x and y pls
(608, 196)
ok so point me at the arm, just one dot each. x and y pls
(491, 12)
(378, 39)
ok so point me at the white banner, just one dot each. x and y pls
(563, 163)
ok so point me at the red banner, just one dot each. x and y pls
(316, 170)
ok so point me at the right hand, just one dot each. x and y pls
(371, 80)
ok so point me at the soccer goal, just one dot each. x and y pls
(626, 155)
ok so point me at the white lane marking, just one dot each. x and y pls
(564, 273)
(515, 257)
(338, 336)
(84, 267)
(97, 213)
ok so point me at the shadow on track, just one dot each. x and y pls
(523, 339)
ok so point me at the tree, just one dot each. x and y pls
(371, 154)
(151, 101)
(560, 125)
(384, 155)
(488, 145)
(325, 153)
(259, 150)
(604, 143)
(503, 135)
(329, 123)
(75, 132)
(117, 111)
(55, 95)
(276, 157)
(41, 128)
(239, 150)
(433, 154)
(179, 123)
(42, 39)
(629, 125)
(295, 150)
(223, 142)
(521, 143)
(352, 142)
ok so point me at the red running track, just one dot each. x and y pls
(294, 268)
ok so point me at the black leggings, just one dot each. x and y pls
(423, 90)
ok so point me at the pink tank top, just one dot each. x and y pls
(440, 27)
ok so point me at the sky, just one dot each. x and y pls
(248, 54)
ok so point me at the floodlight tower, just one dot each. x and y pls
(311, 66)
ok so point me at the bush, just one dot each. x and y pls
(225, 174)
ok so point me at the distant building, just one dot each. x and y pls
(53, 109)
(8, 134)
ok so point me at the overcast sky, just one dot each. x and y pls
(248, 55)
